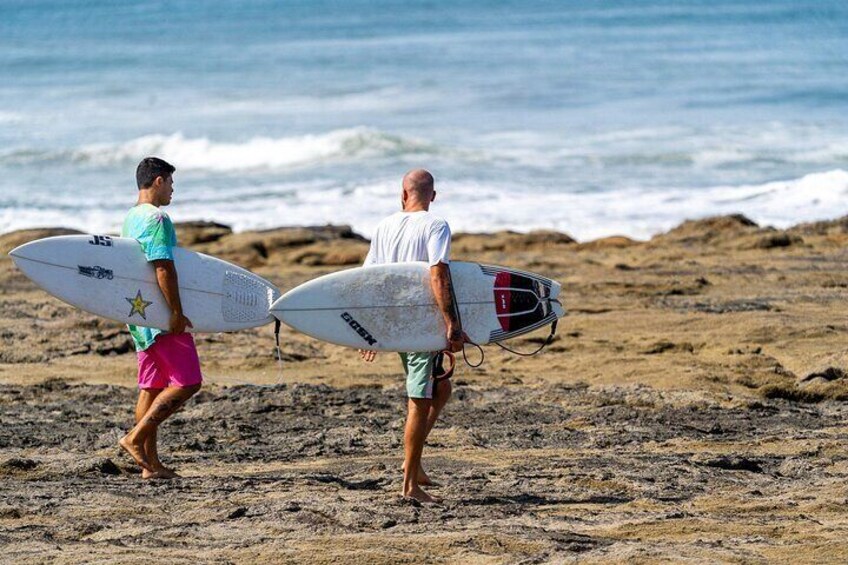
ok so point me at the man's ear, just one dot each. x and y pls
(433, 198)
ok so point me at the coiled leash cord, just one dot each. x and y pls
(546, 343)
(446, 373)
(538, 350)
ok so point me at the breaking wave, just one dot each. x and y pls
(256, 153)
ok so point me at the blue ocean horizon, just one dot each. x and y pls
(595, 119)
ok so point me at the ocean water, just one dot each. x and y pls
(593, 118)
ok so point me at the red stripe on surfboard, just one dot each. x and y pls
(503, 299)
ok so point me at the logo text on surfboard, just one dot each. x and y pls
(357, 327)
(139, 305)
(96, 272)
(103, 240)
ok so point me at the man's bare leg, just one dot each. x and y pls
(146, 396)
(145, 399)
(442, 395)
(413, 437)
(166, 403)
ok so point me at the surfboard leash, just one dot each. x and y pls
(446, 373)
(459, 319)
(277, 326)
(465, 355)
(546, 343)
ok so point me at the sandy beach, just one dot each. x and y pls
(690, 409)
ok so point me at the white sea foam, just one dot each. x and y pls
(643, 213)
(256, 153)
(641, 152)
(479, 206)
(637, 182)
(665, 152)
(472, 206)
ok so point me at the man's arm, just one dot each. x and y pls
(440, 282)
(166, 276)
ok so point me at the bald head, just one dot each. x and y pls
(418, 189)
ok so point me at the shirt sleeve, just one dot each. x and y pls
(157, 239)
(439, 243)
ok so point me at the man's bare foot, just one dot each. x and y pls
(161, 472)
(159, 468)
(168, 473)
(416, 493)
(426, 481)
(136, 451)
(422, 478)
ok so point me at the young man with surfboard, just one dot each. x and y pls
(168, 365)
(414, 234)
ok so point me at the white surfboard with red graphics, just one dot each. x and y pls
(392, 307)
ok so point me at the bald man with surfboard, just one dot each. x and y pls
(415, 234)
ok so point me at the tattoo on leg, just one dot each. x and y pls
(162, 410)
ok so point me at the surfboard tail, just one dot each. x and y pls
(556, 304)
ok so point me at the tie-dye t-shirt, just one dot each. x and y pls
(153, 229)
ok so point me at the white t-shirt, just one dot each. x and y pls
(410, 236)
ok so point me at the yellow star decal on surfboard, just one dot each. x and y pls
(139, 305)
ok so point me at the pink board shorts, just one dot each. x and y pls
(171, 361)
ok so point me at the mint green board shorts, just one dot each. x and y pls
(419, 373)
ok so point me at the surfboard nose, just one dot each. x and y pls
(37, 249)
(23, 254)
(19, 251)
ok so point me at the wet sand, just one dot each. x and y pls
(692, 408)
